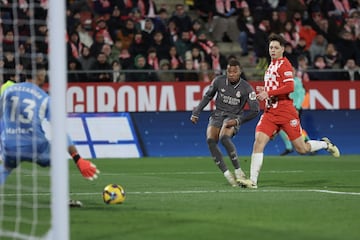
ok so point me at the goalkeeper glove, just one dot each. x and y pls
(87, 169)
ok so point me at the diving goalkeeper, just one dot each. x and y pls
(24, 110)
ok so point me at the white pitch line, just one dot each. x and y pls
(209, 191)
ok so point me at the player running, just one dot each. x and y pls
(24, 109)
(279, 113)
(232, 94)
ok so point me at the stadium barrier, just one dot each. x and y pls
(155, 117)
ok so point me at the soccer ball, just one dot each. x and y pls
(113, 194)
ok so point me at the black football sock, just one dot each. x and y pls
(231, 150)
(216, 154)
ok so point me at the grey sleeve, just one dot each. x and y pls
(253, 105)
(210, 93)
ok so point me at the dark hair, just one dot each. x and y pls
(234, 62)
(279, 38)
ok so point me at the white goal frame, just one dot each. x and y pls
(58, 82)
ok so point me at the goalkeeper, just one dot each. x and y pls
(24, 112)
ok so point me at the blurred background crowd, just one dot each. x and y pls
(154, 40)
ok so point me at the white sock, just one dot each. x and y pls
(227, 173)
(316, 145)
(256, 163)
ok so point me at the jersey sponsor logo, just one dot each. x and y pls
(252, 96)
(294, 122)
(288, 73)
(238, 94)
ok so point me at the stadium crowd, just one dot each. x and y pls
(142, 40)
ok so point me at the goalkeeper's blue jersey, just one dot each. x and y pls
(24, 107)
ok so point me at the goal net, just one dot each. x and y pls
(34, 198)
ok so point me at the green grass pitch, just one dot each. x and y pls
(299, 197)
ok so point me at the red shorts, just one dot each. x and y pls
(271, 122)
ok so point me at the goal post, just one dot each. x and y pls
(58, 81)
(34, 201)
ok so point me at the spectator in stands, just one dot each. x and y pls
(300, 50)
(126, 6)
(162, 20)
(138, 45)
(189, 75)
(176, 62)
(301, 71)
(116, 49)
(102, 28)
(196, 55)
(102, 7)
(352, 71)
(115, 22)
(290, 54)
(183, 44)
(296, 7)
(182, 20)
(148, 8)
(321, 71)
(8, 65)
(152, 58)
(204, 43)
(275, 25)
(161, 45)
(337, 8)
(144, 72)
(125, 59)
(41, 40)
(74, 46)
(205, 73)
(107, 50)
(75, 71)
(290, 34)
(137, 18)
(86, 60)
(126, 34)
(195, 29)
(24, 57)
(8, 44)
(117, 76)
(332, 56)
(217, 60)
(307, 33)
(102, 69)
(321, 25)
(85, 36)
(225, 21)
(96, 47)
(147, 30)
(165, 75)
(318, 46)
(348, 47)
(245, 23)
(42, 59)
(261, 45)
(205, 10)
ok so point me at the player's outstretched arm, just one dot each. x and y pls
(87, 169)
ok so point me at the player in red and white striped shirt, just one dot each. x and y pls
(279, 113)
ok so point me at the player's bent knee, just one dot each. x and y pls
(211, 141)
(224, 139)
